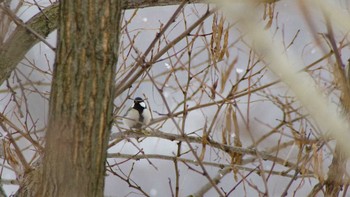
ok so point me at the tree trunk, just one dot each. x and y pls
(81, 99)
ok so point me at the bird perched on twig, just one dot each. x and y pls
(138, 115)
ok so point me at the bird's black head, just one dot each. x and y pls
(138, 100)
(139, 104)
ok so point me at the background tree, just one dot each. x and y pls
(222, 121)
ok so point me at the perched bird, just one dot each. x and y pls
(138, 115)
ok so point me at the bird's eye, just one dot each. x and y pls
(143, 104)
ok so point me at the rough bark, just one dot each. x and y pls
(81, 100)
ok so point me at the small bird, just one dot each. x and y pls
(138, 115)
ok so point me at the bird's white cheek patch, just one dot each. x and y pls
(143, 104)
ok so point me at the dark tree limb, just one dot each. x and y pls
(22, 40)
(43, 23)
